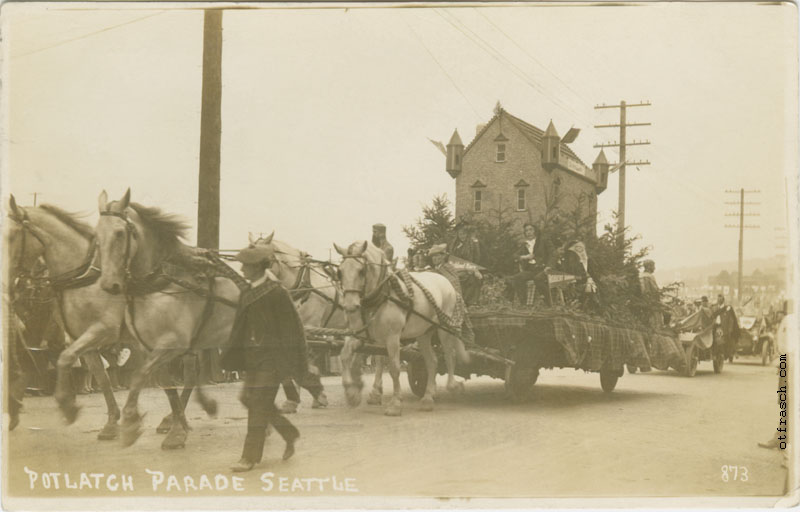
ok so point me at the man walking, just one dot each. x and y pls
(268, 343)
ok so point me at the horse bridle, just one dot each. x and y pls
(130, 233)
(24, 221)
(362, 291)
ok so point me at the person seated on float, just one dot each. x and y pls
(466, 247)
(439, 256)
(533, 255)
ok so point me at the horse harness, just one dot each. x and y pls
(85, 274)
(389, 282)
(158, 279)
(302, 289)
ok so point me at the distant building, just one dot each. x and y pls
(512, 165)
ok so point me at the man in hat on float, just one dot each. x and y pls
(379, 240)
(466, 248)
(267, 343)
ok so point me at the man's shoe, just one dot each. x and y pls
(289, 450)
(242, 466)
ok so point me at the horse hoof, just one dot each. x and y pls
(353, 396)
(289, 407)
(70, 413)
(427, 404)
(130, 434)
(165, 426)
(211, 408)
(131, 429)
(110, 432)
(320, 402)
(393, 410)
(176, 439)
(374, 398)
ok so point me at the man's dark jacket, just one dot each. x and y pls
(541, 253)
(267, 327)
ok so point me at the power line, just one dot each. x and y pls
(452, 80)
(84, 36)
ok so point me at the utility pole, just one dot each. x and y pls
(208, 203)
(210, 132)
(35, 197)
(622, 145)
(741, 227)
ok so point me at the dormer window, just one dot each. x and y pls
(501, 153)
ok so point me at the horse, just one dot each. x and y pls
(169, 313)
(91, 317)
(388, 308)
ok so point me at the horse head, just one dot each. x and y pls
(361, 271)
(24, 240)
(116, 241)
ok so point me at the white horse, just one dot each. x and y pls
(91, 317)
(375, 308)
(134, 242)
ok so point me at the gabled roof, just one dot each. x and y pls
(531, 132)
(601, 158)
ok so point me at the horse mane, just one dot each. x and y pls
(372, 250)
(282, 250)
(170, 229)
(71, 219)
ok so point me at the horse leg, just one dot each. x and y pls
(449, 349)
(395, 407)
(424, 344)
(94, 337)
(131, 419)
(351, 371)
(178, 431)
(376, 395)
(95, 364)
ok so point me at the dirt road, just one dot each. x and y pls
(658, 434)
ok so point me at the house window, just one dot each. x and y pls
(457, 159)
(501, 152)
(555, 153)
(521, 199)
(477, 202)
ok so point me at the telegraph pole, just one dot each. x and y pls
(210, 132)
(622, 145)
(741, 226)
(208, 202)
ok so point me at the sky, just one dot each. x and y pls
(326, 113)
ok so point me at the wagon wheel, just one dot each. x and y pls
(691, 362)
(608, 380)
(766, 352)
(521, 377)
(417, 374)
